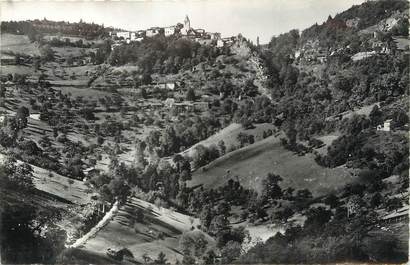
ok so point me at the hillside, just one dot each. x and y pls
(229, 135)
(252, 163)
(157, 230)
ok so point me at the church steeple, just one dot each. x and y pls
(187, 22)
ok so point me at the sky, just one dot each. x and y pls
(251, 18)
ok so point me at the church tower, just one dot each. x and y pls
(187, 24)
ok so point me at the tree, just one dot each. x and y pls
(17, 176)
(284, 214)
(188, 259)
(222, 147)
(47, 54)
(21, 117)
(393, 204)
(271, 188)
(376, 116)
(144, 93)
(22, 228)
(242, 138)
(400, 118)
(170, 141)
(210, 257)
(70, 182)
(218, 224)
(246, 122)
(206, 216)
(317, 218)
(291, 134)
(36, 63)
(146, 79)
(190, 95)
(161, 259)
(230, 252)
(332, 200)
(376, 200)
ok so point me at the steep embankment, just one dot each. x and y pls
(255, 65)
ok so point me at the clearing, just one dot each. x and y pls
(252, 163)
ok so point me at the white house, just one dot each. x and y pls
(133, 36)
(124, 34)
(297, 54)
(386, 126)
(168, 86)
(168, 31)
(2, 119)
(169, 102)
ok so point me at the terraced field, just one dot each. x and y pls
(160, 230)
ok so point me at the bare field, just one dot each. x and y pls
(252, 163)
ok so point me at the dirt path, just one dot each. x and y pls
(108, 216)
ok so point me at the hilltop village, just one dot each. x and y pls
(182, 30)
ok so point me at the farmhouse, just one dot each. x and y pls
(2, 119)
(219, 43)
(386, 126)
(166, 86)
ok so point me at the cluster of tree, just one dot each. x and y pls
(214, 220)
(177, 137)
(19, 27)
(371, 12)
(28, 234)
(245, 139)
(345, 235)
(163, 54)
(15, 176)
(26, 150)
(56, 42)
(82, 29)
(357, 148)
(204, 155)
(307, 99)
(159, 180)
